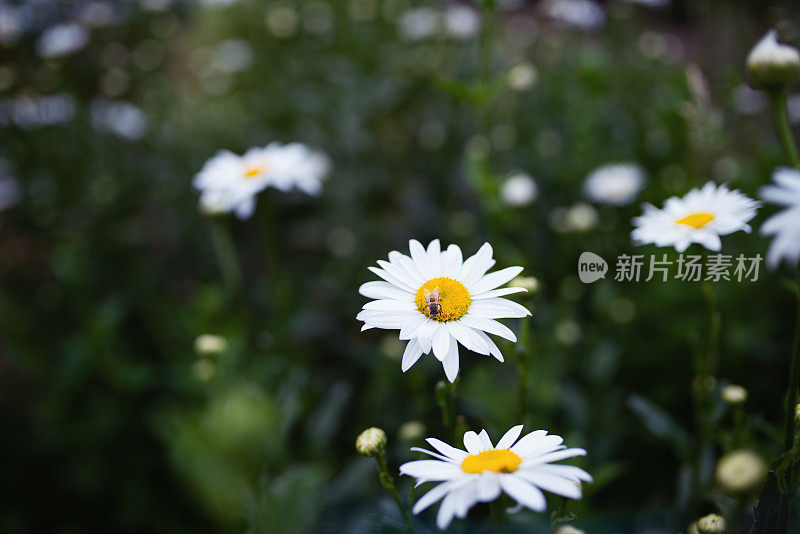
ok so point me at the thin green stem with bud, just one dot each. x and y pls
(780, 113)
(226, 254)
(794, 378)
(387, 481)
(498, 516)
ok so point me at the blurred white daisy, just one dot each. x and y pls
(437, 301)
(419, 23)
(461, 22)
(614, 184)
(520, 468)
(584, 15)
(784, 226)
(519, 190)
(62, 40)
(701, 216)
(229, 182)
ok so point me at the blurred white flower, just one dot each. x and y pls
(10, 25)
(615, 184)
(772, 64)
(62, 40)
(701, 216)
(98, 14)
(417, 24)
(233, 55)
(522, 77)
(741, 471)
(521, 468)
(784, 226)
(229, 182)
(649, 3)
(519, 190)
(219, 3)
(584, 15)
(123, 119)
(29, 112)
(461, 22)
(210, 345)
(437, 301)
(748, 101)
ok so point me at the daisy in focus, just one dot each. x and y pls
(615, 184)
(784, 226)
(520, 468)
(438, 300)
(229, 182)
(701, 216)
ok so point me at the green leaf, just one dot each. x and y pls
(772, 511)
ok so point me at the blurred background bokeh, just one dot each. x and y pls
(437, 119)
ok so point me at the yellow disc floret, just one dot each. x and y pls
(254, 171)
(454, 299)
(500, 461)
(696, 220)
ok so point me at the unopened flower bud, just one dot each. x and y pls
(734, 395)
(711, 524)
(411, 431)
(371, 442)
(531, 283)
(568, 529)
(772, 65)
(210, 345)
(741, 472)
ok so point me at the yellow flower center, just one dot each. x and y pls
(254, 171)
(453, 302)
(502, 461)
(696, 220)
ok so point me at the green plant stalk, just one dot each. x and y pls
(777, 100)
(794, 380)
(226, 254)
(387, 481)
(498, 515)
(279, 287)
(523, 362)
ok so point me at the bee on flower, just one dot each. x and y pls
(701, 216)
(438, 300)
(522, 468)
(230, 183)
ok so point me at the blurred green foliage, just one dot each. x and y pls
(111, 422)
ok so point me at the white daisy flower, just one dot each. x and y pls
(784, 226)
(701, 216)
(437, 301)
(521, 469)
(62, 40)
(615, 184)
(229, 182)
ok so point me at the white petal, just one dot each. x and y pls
(384, 290)
(473, 443)
(495, 279)
(431, 470)
(450, 362)
(474, 266)
(467, 337)
(509, 438)
(410, 328)
(565, 471)
(435, 256)
(447, 450)
(558, 455)
(390, 305)
(498, 293)
(433, 495)
(488, 488)
(441, 342)
(523, 492)
(425, 334)
(452, 261)
(491, 326)
(497, 309)
(493, 350)
(393, 280)
(400, 274)
(420, 258)
(485, 440)
(410, 355)
(552, 483)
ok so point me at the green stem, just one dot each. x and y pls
(446, 399)
(794, 379)
(777, 100)
(714, 325)
(280, 290)
(498, 516)
(226, 255)
(523, 362)
(387, 481)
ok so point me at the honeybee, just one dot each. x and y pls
(432, 302)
